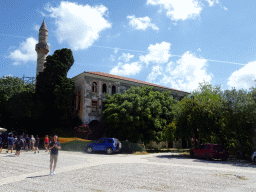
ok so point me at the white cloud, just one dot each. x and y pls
(126, 69)
(126, 57)
(36, 27)
(212, 2)
(186, 73)
(25, 53)
(158, 53)
(141, 23)
(179, 10)
(78, 25)
(244, 77)
(156, 71)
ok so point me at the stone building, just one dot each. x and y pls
(91, 89)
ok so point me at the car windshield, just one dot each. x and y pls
(218, 147)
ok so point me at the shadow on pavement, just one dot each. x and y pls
(10, 155)
(37, 176)
(230, 161)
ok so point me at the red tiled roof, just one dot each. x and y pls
(128, 79)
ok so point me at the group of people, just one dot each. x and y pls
(21, 141)
(31, 143)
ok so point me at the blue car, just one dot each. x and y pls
(109, 145)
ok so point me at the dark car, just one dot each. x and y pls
(109, 145)
(210, 151)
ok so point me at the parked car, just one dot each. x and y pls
(109, 145)
(254, 157)
(210, 151)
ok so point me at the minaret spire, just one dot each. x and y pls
(42, 48)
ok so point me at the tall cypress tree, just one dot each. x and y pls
(54, 92)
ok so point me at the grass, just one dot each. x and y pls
(75, 145)
(140, 153)
(65, 140)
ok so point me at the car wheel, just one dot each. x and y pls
(208, 157)
(89, 149)
(109, 150)
(192, 154)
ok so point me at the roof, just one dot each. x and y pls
(43, 26)
(127, 79)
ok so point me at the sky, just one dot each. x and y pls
(173, 43)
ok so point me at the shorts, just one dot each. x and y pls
(10, 146)
(1, 145)
(18, 148)
(26, 144)
(53, 158)
(36, 145)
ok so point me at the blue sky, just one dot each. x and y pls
(173, 43)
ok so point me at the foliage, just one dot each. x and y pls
(55, 91)
(169, 131)
(16, 102)
(138, 114)
(214, 116)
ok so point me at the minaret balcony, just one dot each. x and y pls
(42, 46)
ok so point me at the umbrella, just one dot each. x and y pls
(2, 129)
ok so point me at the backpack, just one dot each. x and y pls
(20, 143)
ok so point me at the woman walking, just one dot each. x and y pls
(32, 140)
(46, 143)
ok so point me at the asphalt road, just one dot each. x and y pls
(78, 171)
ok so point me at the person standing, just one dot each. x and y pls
(18, 145)
(46, 143)
(37, 144)
(32, 142)
(27, 141)
(54, 147)
(10, 143)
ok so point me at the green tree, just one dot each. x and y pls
(239, 110)
(199, 115)
(138, 114)
(54, 91)
(12, 92)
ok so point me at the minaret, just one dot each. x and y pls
(42, 48)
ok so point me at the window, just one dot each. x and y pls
(113, 89)
(207, 147)
(94, 106)
(110, 141)
(104, 88)
(94, 87)
(101, 140)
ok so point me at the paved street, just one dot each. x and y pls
(78, 171)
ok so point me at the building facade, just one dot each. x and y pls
(91, 89)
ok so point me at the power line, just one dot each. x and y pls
(117, 49)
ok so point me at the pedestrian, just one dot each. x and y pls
(27, 142)
(46, 143)
(18, 145)
(1, 143)
(32, 142)
(10, 143)
(37, 144)
(54, 147)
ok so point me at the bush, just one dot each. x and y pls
(129, 147)
(75, 145)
